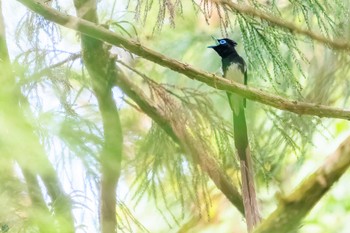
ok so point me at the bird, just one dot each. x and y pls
(234, 68)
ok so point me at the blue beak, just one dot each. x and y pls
(216, 41)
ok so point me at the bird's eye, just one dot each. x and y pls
(222, 41)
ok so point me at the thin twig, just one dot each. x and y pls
(212, 80)
(248, 10)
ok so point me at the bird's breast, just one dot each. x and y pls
(234, 73)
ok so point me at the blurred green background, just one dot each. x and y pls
(159, 189)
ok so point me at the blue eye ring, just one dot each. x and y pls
(222, 41)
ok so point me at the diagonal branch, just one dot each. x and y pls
(293, 208)
(179, 130)
(178, 126)
(248, 10)
(212, 80)
(181, 133)
(29, 153)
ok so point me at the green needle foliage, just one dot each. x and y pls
(162, 185)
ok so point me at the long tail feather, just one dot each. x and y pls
(247, 173)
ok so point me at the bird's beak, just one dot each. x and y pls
(216, 41)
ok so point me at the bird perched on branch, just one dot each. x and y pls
(235, 69)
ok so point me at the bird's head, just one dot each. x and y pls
(224, 47)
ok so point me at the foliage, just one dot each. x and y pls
(158, 177)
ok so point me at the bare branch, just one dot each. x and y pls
(178, 126)
(212, 80)
(101, 68)
(248, 10)
(35, 162)
(293, 208)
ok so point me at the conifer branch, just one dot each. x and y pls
(178, 126)
(294, 207)
(212, 80)
(179, 131)
(34, 163)
(102, 70)
(248, 10)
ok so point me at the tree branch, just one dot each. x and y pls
(101, 68)
(178, 126)
(40, 213)
(212, 80)
(35, 161)
(293, 208)
(248, 10)
(18, 134)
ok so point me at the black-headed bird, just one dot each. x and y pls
(235, 69)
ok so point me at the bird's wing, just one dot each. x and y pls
(234, 72)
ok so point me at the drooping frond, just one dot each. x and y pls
(34, 29)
